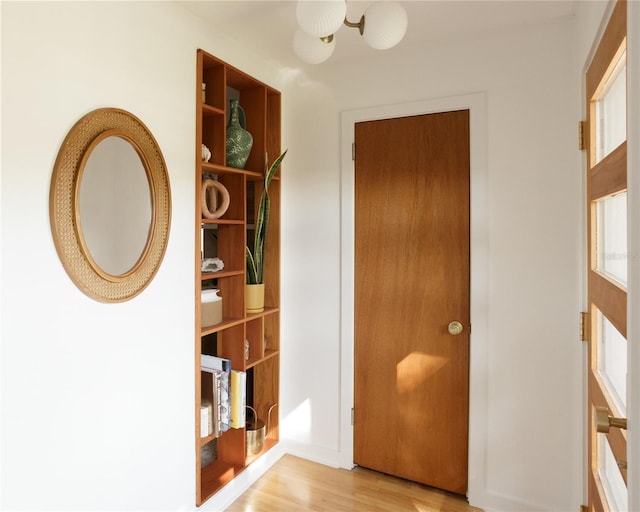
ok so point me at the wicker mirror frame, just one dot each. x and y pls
(64, 211)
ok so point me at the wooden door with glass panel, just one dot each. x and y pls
(607, 270)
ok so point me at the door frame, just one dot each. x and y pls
(476, 103)
(633, 241)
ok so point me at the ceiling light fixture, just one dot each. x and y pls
(382, 26)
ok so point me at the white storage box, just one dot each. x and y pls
(211, 308)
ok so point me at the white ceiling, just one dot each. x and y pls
(269, 25)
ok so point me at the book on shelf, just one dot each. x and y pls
(211, 394)
(206, 418)
(238, 398)
(215, 363)
(220, 370)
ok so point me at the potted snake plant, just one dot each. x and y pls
(255, 259)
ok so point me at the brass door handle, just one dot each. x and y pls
(455, 327)
(604, 422)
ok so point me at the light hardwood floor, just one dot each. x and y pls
(295, 484)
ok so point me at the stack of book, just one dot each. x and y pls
(238, 398)
(223, 396)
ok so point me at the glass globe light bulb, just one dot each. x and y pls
(312, 49)
(385, 24)
(320, 18)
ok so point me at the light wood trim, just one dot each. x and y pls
(273, 136)
(208, 276)
(609, 176)
(610, 299)
(198, 281)
(267, 311)
(613, 37)
(229, 222)
(268, 354)
(215, 476)
(253, 101)
(272, 255)
(225, 324)
(596, 492)
(233, 449)
(235, 185)
(266, 393)
(213, 168)
(272, 332)
(255, 336)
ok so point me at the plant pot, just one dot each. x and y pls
(256, 431)
(254, 297)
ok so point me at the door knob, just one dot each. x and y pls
(455, 328)
(604, 422)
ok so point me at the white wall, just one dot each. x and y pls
(531, 80)
(97, 400)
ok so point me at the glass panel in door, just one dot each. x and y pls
(614, 486)
(612, 362)
(611, 237)
(611, 111)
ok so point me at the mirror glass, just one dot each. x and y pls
(115, 205)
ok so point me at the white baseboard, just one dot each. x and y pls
(318, 454)
(495, 502)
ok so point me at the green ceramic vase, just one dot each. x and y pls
(239, 140)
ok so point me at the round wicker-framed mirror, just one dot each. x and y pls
(80, 258)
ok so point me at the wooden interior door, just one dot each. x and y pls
(411, 282)
(607, 267)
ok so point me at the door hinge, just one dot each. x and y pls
(353, 151)
(352, 416)
(584, 326)
(582, 135)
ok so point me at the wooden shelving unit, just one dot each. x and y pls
(226, 239)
